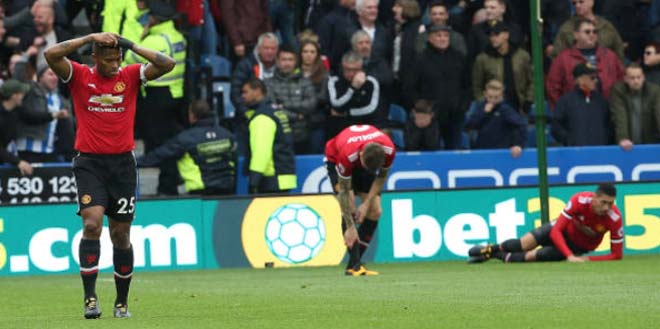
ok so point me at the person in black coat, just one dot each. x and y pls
(335, 30)
(421, 131)
(581, 117)
(439, 75)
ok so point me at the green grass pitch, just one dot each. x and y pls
(623, 294)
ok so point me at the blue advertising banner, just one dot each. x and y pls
(484, 168)
(411, 170)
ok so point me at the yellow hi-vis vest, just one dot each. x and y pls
(126, 13)
(165, 38)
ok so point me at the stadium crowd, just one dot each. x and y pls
(436, 75)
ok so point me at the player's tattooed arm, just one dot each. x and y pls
(344, 198)
(56, 55)
(159, 63)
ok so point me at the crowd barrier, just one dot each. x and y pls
(304, 230)
(411, 170)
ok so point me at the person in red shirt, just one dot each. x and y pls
(579, 229)
(104, 98)
(358, 160)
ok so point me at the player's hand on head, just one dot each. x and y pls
(106, 39)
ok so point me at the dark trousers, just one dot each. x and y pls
(159, 117)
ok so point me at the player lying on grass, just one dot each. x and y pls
(578, 230)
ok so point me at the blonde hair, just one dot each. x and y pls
(494, 85)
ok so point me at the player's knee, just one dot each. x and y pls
(375, 213)
(92, 229)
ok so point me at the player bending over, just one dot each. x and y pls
(578, 230)
(358, 160)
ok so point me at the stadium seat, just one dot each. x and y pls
(397, 138)
(397, 115)
(220, 66)
(223, 88)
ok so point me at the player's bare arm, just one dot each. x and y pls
(56, 54)
(159, 63)
(343, 196)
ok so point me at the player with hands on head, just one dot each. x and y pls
(104, 98)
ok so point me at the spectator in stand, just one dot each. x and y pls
(202, 27)
(439, 75)
(11, 97)
(477, 39)
(651, 63)
(498, 125)
(271, 161)
(293, 95)
(629, 18)
(375, 67)
(422, 132)
(381, 36)
(581, 117)
(92, 10)
(315, 69)
(587, 48)
(608, 36)
(43, 34)
(259, 64)
(160, 108)
(554, 13)
(335, 31)
(635, 109)
(407, 24)
(353, 96)
(282, 14)
(44, 131)
(245, 22)
(439, 15)
(205, 154)
(505, 63)
(315, 10)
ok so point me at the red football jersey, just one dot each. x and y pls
(105, 108)
(586, 229)
(344, 149)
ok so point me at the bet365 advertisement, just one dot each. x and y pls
(305, 230)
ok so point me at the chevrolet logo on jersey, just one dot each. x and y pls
(106, 99)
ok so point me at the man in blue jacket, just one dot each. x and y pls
(498, 125)
(206, 153)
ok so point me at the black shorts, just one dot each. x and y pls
(109, 181)
(549, 252)
(361, 179)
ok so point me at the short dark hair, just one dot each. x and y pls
(255, 83)
(286, 48)
(99, 49)
(200, 108)
(438, 3)
(373, 156)
(423, 106)
(607, 189)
